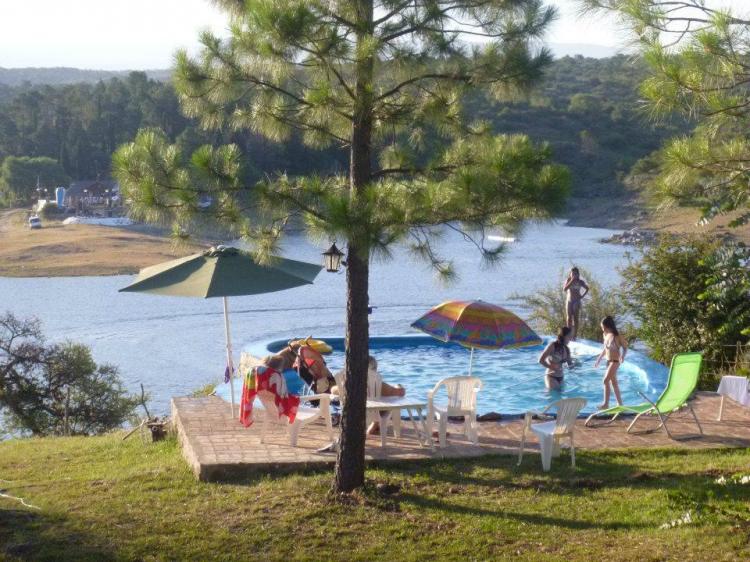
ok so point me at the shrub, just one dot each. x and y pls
(207, 389)
(56, 389)
(691, 294)
(547, 307)
(51, 211)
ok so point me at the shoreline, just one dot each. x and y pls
(628, 212)
(84, 250)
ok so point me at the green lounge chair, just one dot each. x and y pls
(683, 377)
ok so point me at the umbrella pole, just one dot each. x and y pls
(230, 364)
(471, 360)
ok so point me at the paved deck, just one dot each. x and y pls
(217, 447)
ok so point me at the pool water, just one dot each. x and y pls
(513, 379)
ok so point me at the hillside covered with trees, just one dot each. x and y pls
(587, 109)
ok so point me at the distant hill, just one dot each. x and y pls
(583, 49)
(587, 109)
(62, 75)
(65, 75)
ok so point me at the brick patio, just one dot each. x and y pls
(217, 447)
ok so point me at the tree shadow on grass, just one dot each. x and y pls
(528, 518)
(697, 491)
(592, 471)
(501, 471)
(34, 535)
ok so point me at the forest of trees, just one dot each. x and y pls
(587, 109)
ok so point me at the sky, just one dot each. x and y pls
(144, 34)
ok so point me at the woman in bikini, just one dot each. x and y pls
(615, 348)
(553, 357)
(575, 289)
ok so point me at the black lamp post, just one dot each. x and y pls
(332, 258)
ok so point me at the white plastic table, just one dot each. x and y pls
(735, 388)
(386, 406)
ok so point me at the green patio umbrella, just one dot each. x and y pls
(222, 272)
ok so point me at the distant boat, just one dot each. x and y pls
(501, 238)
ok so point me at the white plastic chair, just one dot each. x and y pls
(551, 432)
(374, 388)
(305, 415)
(462, 401)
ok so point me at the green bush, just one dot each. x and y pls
(207, 389)
(691, 294)
(56, 389)
(547, 308)
(51, 211)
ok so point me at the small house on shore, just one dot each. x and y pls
(89, 193)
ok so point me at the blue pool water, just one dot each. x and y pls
(513, 379)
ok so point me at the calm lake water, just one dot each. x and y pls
(175, 345)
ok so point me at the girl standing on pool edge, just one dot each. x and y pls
(573, 296)
(613, 343)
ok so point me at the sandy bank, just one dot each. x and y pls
(75, 250)
(627, 211)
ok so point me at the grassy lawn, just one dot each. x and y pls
(102, 499)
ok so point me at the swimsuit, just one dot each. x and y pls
(574, 291)
(612, 347)
(574, 298)
(557, 358)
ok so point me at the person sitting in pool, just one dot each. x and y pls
(573, 297)
(376, 388)
(553, 357)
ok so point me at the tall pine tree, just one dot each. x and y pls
(383, 80)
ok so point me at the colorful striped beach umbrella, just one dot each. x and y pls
(476, 324)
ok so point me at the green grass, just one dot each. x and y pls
(104, 499)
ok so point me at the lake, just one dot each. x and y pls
(175, 345)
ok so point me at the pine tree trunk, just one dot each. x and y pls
(350, 464)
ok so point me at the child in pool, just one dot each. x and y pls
(553, 357)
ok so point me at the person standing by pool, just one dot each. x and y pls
(615, 348)
(553, 357)
(575, 289)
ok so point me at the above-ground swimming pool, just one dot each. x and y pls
(513, 379)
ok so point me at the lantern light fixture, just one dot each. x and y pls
(332, 259)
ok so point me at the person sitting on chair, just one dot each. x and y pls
(376, 388)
